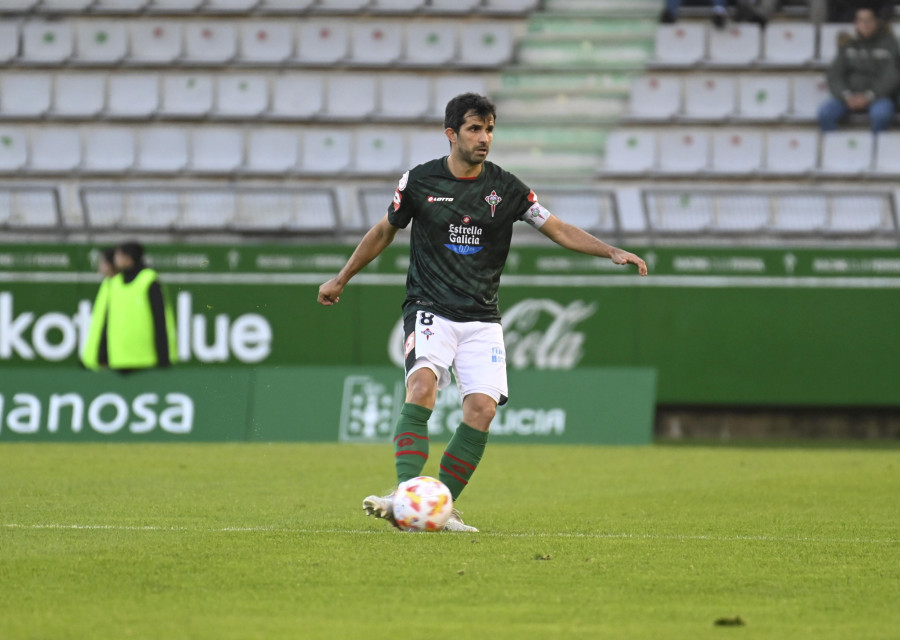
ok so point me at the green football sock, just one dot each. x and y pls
(411, 441)
(462, 455)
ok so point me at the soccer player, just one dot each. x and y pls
(463, 209)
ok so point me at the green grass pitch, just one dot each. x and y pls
(269, 541)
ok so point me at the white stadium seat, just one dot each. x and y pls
(679, 212)
(808, 94)
(9, 41)
(860, 213)
(269, 42)
(631, 151)
(351, 96)
(155, 41)
(425, 146)
(187, 95)
(485, 44)
(20, 5)
(395, 6)
(341, 6)
(25, 94)
(403, 97)
(789, 43)
(298, 96)
(13, 149)
(206, 209)
(764, 97)
(103, 42)
(737, 44)
(108, 150)
(241, 96)
(510, 6)
(233, 6)
(743, 213)
(209, 42)
(682, 44)
(162, 150)
(290, 6)
(376, 43)
(828, 40)
(429, 44)
(379, 151)
(323, 42)
(314, 211)
(171, 6)
(791, 152)
(79, 95)
(263, 211)
(30, 208)
(325, 151)
(272, 151)
(151, 210)
(119, 6)
(55, 149)
(800, 213)
(709, 97)
(133, 95)
(215, 150)
(655, 97)
(65, 5)
(448, 87)
(847, 152)
(453, 6)
(737, 152)
(683, 151)
(47, 42)
(887, 153)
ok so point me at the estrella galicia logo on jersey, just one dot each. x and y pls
(467, 219)
(462, 249)
(465, 239)
(493, 200)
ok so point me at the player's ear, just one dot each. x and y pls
(451, 135)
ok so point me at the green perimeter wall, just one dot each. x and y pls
(719, 326)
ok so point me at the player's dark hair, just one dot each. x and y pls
(109, 254)
(460, 106)
(134, 250)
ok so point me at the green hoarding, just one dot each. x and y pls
(720, 326)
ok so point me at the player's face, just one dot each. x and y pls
(473, 142)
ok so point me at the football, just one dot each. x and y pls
(422, 504)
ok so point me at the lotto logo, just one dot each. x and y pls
(439, 199)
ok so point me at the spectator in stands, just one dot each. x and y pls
(759, 11)
(90, 353)
(719, 15)
(865, 75)
(846, 10)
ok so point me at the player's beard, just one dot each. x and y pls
(471, 156)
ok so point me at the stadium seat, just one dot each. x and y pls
(186, 95)
(241, 96)
(272, 151)
(828, 40)
(132, 95)
(655, 97)
(230, 6)
(789, 43)
(799, 213)
(403, 97)
(13, 149)
(297, 96)
(25, 95)
(426, 145)
(350, 96)
(341, 6)
(683, 151)
(315, 211)
(764, 97)
(808, 93)
(55, 150)
(741, 213)
(485, 44)
(680, 45)
(51, 6)
(590, 211)
(151, 209)
(322, 42)
(679, 212)
(453, 6)
(737, 152)
(79, 95)
(709, 97)
(108, 150)
(325, 151)
(791, 152)
(100, 42)
(736, 45)
(631, 151)
(447, 87)
(215, 150)
(379, 151)
(395, 6)
(206, 209)
(47, 42)
(209, 42)
(268, 42)
(172, 6)
(155, 41)
(9, 41)
(847, 152)
(29, 209)
(263, 211)
(509, 6)
(429, 44)
(887, 154)
(292, 6)
(119, 6)
(19, 5)
(376, 43)
(162, 150)
(860, 213)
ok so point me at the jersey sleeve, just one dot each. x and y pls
(535, 214)
(400, 211)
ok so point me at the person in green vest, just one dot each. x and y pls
(138, 326)
(90, 352)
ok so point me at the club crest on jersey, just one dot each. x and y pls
(427, 333)
(493, 200)
(467, 219)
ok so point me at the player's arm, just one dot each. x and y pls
(370, 247)
(571, 237)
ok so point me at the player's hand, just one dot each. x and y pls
(624, 257)
(330, 293)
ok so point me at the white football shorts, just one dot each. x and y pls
(473, 350)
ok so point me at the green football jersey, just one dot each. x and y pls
(460, 236)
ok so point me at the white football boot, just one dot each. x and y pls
(380, 507)
(456, 524)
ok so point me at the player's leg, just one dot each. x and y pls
(411, 430)
(466, 447)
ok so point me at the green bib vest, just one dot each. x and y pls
(90, 352)
(129, 323)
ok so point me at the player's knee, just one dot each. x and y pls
(421, 388)
(479, 410)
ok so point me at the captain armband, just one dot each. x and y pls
(536, 216)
